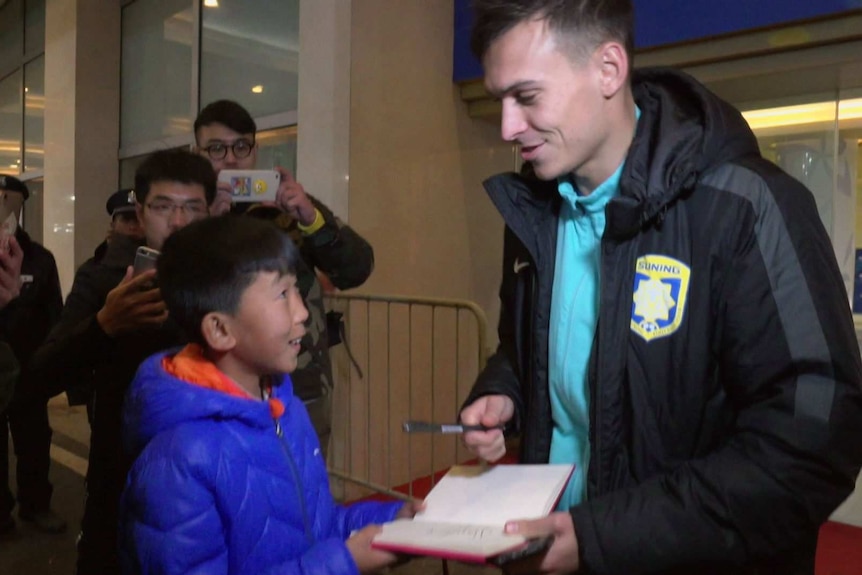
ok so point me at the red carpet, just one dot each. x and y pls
(839, 550)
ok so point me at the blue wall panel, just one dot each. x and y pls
(660, 22)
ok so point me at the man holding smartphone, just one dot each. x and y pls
(32, 301)
(112, 320)
(225, 134)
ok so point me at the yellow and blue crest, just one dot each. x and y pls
(660, 291)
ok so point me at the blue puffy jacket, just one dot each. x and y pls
(215, 490)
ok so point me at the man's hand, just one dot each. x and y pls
(369, 560)
(132, 305)
(562, 556)
(291, 198)
(10, 272)
(490, 411)
(223, 200)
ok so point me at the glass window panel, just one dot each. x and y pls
(11, 121)
(34, 114)
(156, 70)
(34, 26)
(129, 166)
(127, 170)
(33, 208)
(11, 35)
(277, 148)
(250, 53)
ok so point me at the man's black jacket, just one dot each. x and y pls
(726, 407)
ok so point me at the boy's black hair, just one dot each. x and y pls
(175, 166)
(207, 265)
(227, 113)
(587, 23)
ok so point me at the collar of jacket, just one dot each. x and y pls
(121, 251)
(684, 131)
(529, 206)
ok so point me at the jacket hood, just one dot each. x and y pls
(684, 131)
(157, 401)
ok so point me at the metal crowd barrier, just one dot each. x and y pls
(403, 358)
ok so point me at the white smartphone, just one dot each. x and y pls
(251, 185)
(145, 259)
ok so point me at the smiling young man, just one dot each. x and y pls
(673, 320)
(226, 134)
(111, 321)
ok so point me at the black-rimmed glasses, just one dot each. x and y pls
(241, 149)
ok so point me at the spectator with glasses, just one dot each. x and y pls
(112, 320)
(225, 133)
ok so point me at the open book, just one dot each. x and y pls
(465, 512)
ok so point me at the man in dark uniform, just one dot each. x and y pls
(111, 322)
(124, 223)
(24, 323)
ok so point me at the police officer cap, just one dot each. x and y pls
(13, 184)
(121, 201)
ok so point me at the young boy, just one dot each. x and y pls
(229, 476)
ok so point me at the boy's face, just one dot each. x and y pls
(268, 327)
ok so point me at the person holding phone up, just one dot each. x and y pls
(114, 319)
(31, 301)
(225, 134)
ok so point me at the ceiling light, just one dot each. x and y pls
(211, 3)
(257, 89)
(804, 114)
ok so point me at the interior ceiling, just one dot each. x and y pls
(814, 74)
(275, 23)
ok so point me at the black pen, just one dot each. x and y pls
(427, 427)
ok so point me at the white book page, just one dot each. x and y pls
(448, 537)
(476, 495)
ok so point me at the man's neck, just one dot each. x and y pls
(613, 150)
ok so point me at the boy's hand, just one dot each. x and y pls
(369, 560)
(132, 305)
(410, 508)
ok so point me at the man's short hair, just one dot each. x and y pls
(206, 266)
(175, 166)
(227, 113)
(586, 22)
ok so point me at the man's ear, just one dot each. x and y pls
(216, 329)
(614, 62)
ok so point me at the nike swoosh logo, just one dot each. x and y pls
(519, 265)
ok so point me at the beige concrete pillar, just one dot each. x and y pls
(82, 95)
(323, 143)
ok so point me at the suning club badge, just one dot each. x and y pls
(660, 291)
